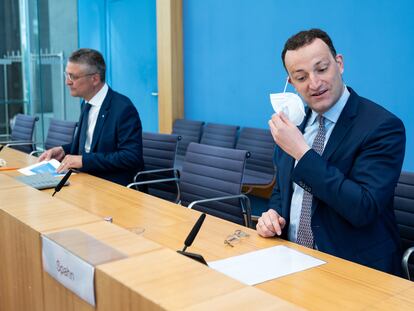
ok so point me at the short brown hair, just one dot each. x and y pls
(304, 38)
(92, 58)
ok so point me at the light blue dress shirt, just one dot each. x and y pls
(311, 129)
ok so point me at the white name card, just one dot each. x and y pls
(68, 269)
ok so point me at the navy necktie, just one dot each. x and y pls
(84, 128)
(305, 235)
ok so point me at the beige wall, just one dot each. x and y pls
(170, 63)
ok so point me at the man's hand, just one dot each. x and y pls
(270, 224)
(287, 136)
(70, 161)
(55, 153)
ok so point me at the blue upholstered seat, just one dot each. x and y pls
(220, 135)
(21, 137)
(404, 213)
(159, 152)
(260, 169)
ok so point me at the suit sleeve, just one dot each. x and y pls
(127, 153)
(364, 192)
(67, 148)
(275, 201)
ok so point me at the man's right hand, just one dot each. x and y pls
(270, 224)
(55, 153)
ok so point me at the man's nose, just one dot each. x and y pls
(315, 82)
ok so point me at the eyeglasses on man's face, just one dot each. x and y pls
(73, 78)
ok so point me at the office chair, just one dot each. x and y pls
(159, 151)
(220, 135)
(190, 131)
(21, 137)
(60, 133)
(260, 168)
(210, 181)
(404, 214)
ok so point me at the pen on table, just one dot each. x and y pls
(9, 168)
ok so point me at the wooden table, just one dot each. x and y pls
(338, 284)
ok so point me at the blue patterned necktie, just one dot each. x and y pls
(84, 128)
(305, 235)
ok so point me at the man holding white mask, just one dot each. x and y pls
(336, 172)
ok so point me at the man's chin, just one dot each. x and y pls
(320, 106)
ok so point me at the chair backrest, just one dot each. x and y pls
(220, 135)
(189, 130)
(60, 133)
(23, 130)
(210, 172)
(404, 211)
(159, 152)
(260, 144)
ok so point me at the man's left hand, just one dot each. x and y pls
(287, 136)
(68, 162)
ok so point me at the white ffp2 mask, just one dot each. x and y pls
(290, 104)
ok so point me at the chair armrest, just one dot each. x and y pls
(405, 258)
(176, 172)
(245, 203)
(35, 152)
(5, 142)
(20, 143)
(156, 181)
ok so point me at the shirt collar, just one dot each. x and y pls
(99, 97)
(335, 111)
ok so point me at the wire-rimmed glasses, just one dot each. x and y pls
(73, 78)
(234, 238)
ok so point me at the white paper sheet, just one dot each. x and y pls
(265, 264)
(42, 167)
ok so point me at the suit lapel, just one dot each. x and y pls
(343, 125)
(103, 114)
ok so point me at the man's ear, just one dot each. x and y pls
(339, 58)
(96, 79)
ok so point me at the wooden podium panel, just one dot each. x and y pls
(165, 280)
(15, 158)
(24, 214)
(8, 183)
(247, 298)
(57, 297)
(336, 285)
(128, 207)
(401, 301)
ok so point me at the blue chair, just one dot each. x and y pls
(260, 169)
(210, 181)
(190, 131)
(404, 214)
(60, 132)
(159, 151)
(21, 137)
(220, 135)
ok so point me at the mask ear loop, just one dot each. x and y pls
(286, 84)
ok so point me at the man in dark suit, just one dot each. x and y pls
(337, 172)
(108, 143)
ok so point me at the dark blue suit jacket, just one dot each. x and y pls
(116, 149)
(352, 185)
